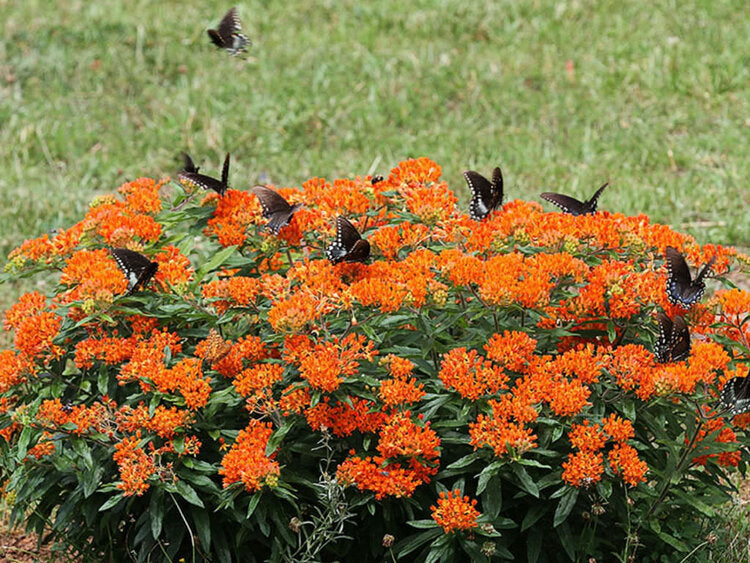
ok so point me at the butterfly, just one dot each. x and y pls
(572, 205)
(682, 290)
(138, 269)
(736, 395)
(227, 35)
(485, 195)
(189, 175)
(376, 179)
(276, 209)
(673, 343)
(349, 245)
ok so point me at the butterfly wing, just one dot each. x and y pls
(347, 246)
(679, 342)
(216, 39)
(230, 30)
(275, 208)
(566, 203)
(202, 181)
(359, 252)
(230, 23)
(225, 174)
(661, 350)
(705, 270)
(497, 187)
(682, 290)
(138, 269)
(593, 202)
(736, 395)
(481, 195)
(189, 164)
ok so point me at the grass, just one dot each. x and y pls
(93, 94)
(563, 95)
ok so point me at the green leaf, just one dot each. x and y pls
(413, 542)
(188, 493)
(216, 260)
(486, 474)
(23, 443)
(156, 512)
(203, 527)
(533, 515)
(254, 500)
(112, 501)
(534, 545)
(422, 524)
(464, 461)
(527, 483)
(565, 506)
(492, 499)
(674, 542)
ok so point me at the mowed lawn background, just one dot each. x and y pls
(653, 98)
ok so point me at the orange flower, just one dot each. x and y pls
(471, 375)
(624, 461)
(511, 349)
(586, 438)
(35, 334)
(583, 469)
(246, 461)
(136, 467)
(344, 418)
(258, 377)
(29, 304)
(619, 429)
(93, 277)
(174, 268)
(454, 512)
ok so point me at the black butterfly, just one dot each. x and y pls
(189, 175)
(572, 205)
(349, 246)
(376, 179)
(673, 343)
(736, 395)
(228, 35)
(485, 195)
(138, 269)
(682, 290)
(276, 209)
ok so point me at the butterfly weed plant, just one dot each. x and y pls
(378, 376)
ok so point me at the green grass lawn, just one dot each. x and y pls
(96, 93)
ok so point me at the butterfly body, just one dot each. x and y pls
(573, 206)
(736, 395)
(349, 245)
(682, 289)
(276, 209)
(673, 342)
(138, 269)
(228, 35)
(486, 195)
(189, 175)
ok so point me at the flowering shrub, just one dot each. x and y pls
(478, 390)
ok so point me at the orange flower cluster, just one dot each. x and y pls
(237, 291)
(454, 512)
(326, 365)
(246, 461)
(174, 268)
(471, 375)
(408, 457)
(135, 465)
(721, 433)
(344, 418)
(585, 467)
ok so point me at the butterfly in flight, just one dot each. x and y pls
(682, 290)
(572, 205)
(228, 35)
(276, 209)
(349, 245)
(138, 269)
(485, 195)
(189, 175)
(673, 342)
